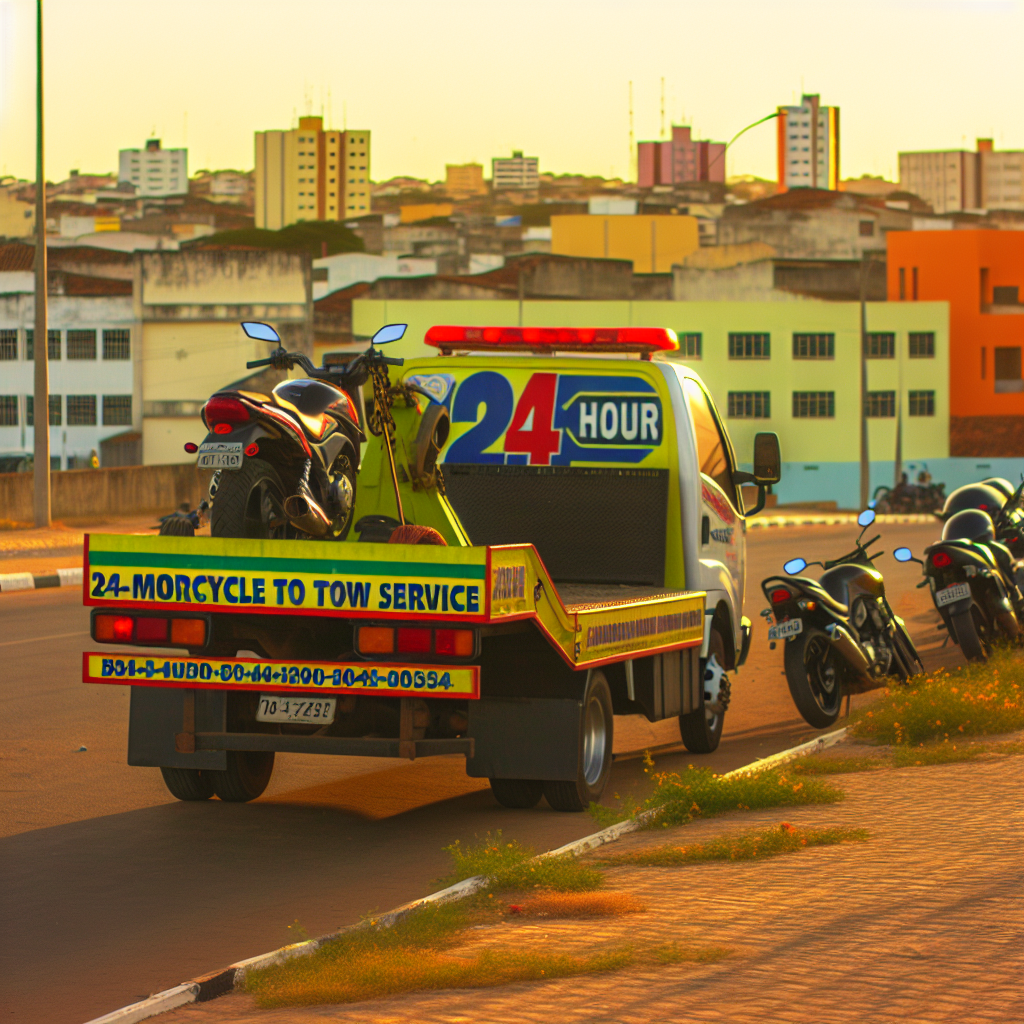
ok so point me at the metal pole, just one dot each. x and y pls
(41, 467)
(865, 464)
(898, 468)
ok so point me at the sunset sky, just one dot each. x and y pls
(451, 81)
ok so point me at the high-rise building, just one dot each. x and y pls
(155, 171)
(464, 180)
(808, 145)
(956, 179)
(310, 173)
(517, 172)
(679, 159)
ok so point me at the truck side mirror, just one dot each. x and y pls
(767, 458)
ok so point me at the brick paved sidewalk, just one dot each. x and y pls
(924, 923)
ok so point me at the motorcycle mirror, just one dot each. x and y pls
(795, 565)
(261, 332)
(872, 503)
(389, 333)
(903, 554)
(866, 518)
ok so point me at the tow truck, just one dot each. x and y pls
(589, 524)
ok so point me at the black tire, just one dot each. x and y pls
(965, 631)
(247, 501)
(595, 751)
(519, 793)
(815, 676)
(701, 729)
(246, 777)
(188, 783)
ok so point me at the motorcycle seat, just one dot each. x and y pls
(819, 593)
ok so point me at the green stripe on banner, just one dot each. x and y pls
(241, 563)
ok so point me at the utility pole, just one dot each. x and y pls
(41, 412)
(865, 463)
(898, 468)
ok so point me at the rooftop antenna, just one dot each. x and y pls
(631, 146)
(662, 107)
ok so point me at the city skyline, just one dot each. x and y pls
(427, 90)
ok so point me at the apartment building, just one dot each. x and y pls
(463, 181)
(679, 160)
(154, 171)
(954, 180)
(516, 173)
(309, 173)
(807, 143)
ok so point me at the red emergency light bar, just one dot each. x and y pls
(566, 339)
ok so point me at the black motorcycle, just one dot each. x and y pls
(841, 635)
(285, 463)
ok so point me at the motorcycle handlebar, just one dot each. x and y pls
(252, 364)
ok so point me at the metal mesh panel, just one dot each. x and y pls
(589, 525)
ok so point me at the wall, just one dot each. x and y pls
(206, 277)
(653, 244)
(130, 490)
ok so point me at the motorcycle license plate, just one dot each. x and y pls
(784, 629)
(957, 592)
(278, 708)
(220, 455)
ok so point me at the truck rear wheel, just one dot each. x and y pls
(701, 729)
(595, 751)
(188, 783)
(517, 792)
(247, 775)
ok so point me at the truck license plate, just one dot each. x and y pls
(279, 708)
(220, 455)
(784, 629)
(957, 592)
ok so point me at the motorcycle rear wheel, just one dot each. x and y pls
(250, 503)
(815, 676)
(968, 636)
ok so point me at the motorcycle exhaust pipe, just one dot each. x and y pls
(850, 650)
(306, 515)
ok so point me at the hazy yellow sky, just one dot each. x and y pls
(458, 80)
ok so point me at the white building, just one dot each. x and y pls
(808, 145)
(516, 172)
(957, 179)
(332, 273)
(155, 171)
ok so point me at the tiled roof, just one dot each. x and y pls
(17, 256)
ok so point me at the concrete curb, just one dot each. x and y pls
(11, 581)
(762, 522)
(218, 983)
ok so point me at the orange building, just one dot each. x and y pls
(981, 275)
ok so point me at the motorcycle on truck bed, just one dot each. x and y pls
(537, 542)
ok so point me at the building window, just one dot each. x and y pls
(903, 283)
(81, 410)
(9, 343)
(880, 345)
(750, 405)
(880, 404)
(922, 344)
(867, 228)
(117, 410)
(81, 344)
(814, 346)
(52, 347)
(8, 410)
(117, 344)
(691, 345)
(814, 404)
(55, 418)
(1007, 366)
(922, 403)
(750, 346)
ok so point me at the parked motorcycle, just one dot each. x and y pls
(841, 636)
(976, 581)
(285, 463)
(924, 496)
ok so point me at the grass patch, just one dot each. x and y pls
(766, 842)
(976, 700)
(509, 866)
(577, 904)
(681, 797)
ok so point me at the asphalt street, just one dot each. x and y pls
(114, 890)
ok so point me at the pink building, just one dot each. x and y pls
(679, 160)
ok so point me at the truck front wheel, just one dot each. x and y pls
(247, 775)
(701, 730)
(595, 752)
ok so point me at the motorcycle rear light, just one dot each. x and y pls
(225, 409)
(150, 630)
(780, 595)
(188, 632)
(191, 447)
(940, 560)
(222, 428)
(113, 629)
(456, 642)
(252, 449)
(376, 640)
(414, 641)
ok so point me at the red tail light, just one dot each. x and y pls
(940, 560)
(414, 641)
(457, 642)
(150, 630)
(780, 595)
(115, 629)
(224, 409)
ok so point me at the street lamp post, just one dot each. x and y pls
(41, 462)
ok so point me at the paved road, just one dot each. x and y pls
(113, 890)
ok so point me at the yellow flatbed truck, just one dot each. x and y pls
(589, 563)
